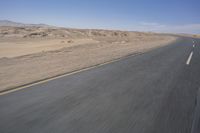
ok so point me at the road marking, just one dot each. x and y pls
(189, 59)
(64, 75)
(193, 41)
(55, 77)
(193, 46)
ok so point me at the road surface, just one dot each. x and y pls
(154, 92)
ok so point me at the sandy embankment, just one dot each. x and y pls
(31, 54)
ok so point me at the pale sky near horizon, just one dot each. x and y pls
(180, 16)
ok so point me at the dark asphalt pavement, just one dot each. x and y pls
(155, 92)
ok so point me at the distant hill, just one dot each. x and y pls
(16, 24)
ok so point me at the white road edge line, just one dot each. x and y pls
(189, 59)
(68, 74)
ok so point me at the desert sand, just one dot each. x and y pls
(29, 54)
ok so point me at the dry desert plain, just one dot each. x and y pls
(29, 54)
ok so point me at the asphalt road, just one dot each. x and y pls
(155, 92)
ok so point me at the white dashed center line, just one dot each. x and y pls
(189, 59)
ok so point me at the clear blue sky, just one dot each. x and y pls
(143, 15)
